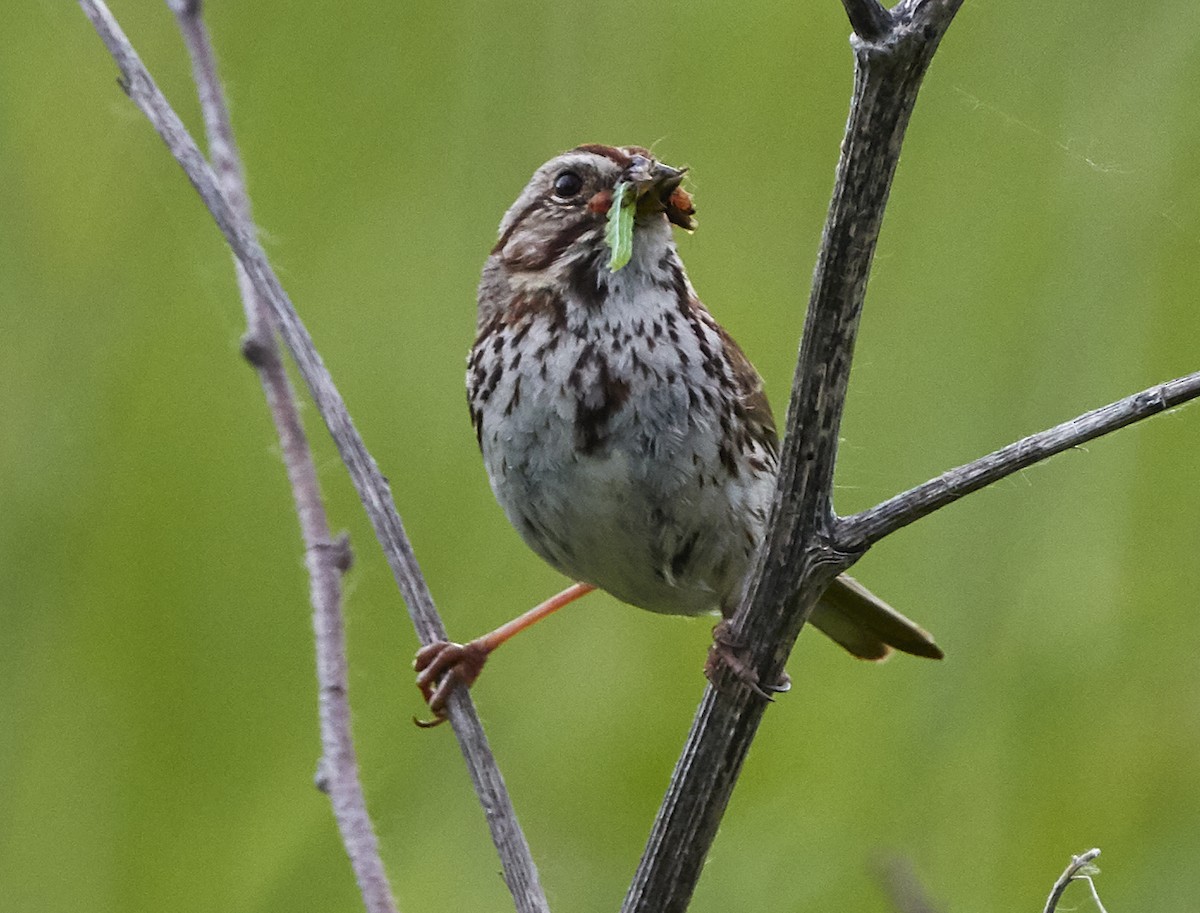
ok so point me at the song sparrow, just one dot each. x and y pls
(625, 434)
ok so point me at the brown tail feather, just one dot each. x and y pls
(867, 626)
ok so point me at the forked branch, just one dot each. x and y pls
(798, 558)
(806, 545)
(869, 20)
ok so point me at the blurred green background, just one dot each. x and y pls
(1039, 258)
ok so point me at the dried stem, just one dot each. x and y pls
(325, 558)
(798, 558)
(1081, 867)
(519, 871)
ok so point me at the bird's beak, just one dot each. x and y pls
(664, 179)
(658, 190)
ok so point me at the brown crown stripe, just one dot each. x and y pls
(608, 152)
(622, 157)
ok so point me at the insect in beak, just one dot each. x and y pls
(658, 190)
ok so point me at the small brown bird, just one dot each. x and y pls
(625, 434)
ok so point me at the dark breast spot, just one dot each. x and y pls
(594, 409)
(588, 280)
(679, 284)
(477, 423)
(725, 453)
(515, 400)
(489, 385)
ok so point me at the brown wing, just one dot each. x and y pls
(754, 409)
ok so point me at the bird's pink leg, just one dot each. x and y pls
(441, 665)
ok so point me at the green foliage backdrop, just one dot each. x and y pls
(1040, 257)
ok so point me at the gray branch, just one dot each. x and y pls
(325, 558)
(869, 20)
(519, 871)
(806, 545)
(798, 558)
(860, 531)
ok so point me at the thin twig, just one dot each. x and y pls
(520, 873)
(325, 558)
(1080, 868)
(860, 531)
(797, 560)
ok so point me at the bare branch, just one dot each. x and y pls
(519, 870)
(869, 20)
(325, 558)
(859, 532)
(797, 560)
(1081, 867)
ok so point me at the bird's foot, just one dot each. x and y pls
(731, 653)
(441, 667)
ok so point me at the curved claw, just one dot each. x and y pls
(782, 686)
(441, 667)
(728, 652)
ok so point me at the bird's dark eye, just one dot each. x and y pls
(567, 184)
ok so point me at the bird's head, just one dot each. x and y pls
(567, 208)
